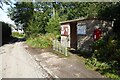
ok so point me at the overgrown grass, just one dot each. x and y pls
(41, 41)
(105, 58)
(18, 35)
(102, 67)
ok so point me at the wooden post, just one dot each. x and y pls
(57, 45)
(53, 44)
(66, 52)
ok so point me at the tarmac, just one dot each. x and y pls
(62, 67)
(17, 63)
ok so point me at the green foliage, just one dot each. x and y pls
(109, 11)
(21, 13)
(116, 28)
(103, 67)
(94, 64)
(106, 51)
(32, 29)
(42, 41)
(37, 24)
(106, 56)
(53, 26)
(98, 43)
(18, 35)
(39, 15)
(37, 19)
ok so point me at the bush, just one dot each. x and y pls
(107, 51)
(41, 41)
(18, 35)
(106, 57)
(104, 68)
(98, 44)
(96, 65)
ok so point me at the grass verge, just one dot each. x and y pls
(102, 67)
(41, 41)
(18, 35)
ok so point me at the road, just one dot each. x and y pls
(17, 63)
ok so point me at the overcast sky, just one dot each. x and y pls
(3, 15)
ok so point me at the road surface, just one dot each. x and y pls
(17, 63)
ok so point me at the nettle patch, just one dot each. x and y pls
(106, 57)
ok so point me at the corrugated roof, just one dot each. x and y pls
(80, 19)
(72, 20)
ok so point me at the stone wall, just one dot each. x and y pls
(84, 41)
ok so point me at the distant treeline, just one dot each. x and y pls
(6, 32)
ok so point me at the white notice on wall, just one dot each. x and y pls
(81, 29)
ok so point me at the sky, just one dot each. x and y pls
(3, 15)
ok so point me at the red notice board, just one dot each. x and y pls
(65, 30)
(97, 34)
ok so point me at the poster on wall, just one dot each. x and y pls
(81, 29)
(65, 30)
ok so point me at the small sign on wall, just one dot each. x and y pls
(81, 29)
(97, 34)
(65, 30)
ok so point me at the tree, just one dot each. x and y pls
(31, 15)
(32, 29)
(111, 11)
(53, 26)
(21, 13)
(40, 14)
(37, 24)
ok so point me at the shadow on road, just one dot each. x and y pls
(85, 54)
(12, 40)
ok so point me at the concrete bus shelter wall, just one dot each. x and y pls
(83, 42)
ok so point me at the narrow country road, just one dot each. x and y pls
(17, 63)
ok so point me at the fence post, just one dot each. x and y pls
(66, 51)
(57, 45)
(60, 48)
(53, 44)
